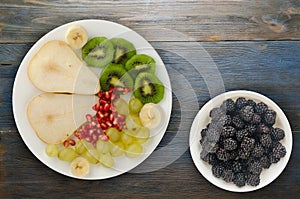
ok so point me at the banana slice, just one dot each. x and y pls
(151, 115)
(80, 167)
(76, 36)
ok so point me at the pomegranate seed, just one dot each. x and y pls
(111, 90)
(66, 143)
(107, 95)
(121, 117)
(113, 109)
(99, 132)
(88, 117)
(108, 123)
(79, 136)
(95, 137)
(111, 118)
(96, 107)
(88, 139)
(104, 137)
(106, 107)
(119, 89)
(103, 126)
(126, 90)
(72, 142)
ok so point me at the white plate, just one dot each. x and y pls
(202, 119)
(24, 91)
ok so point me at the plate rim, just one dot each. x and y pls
(43, 39)
(196, 154)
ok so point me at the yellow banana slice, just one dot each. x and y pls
(76, 36)
(151, 115)
(80, 167)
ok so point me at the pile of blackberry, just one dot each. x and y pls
(240, 141)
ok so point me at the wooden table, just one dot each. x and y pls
(254, 44)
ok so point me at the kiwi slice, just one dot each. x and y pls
(124, 50)
(115, 75)
(148, 88)
(98, 52)
(140, 63)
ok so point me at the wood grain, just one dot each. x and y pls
(198, 20)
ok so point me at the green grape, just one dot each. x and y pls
(121, 106)
(116, 149)
(126, 138)
(142, 135)
(102, 146)
(52, 150)
(67, 154)
(107, 160)
(81, 147)
(113, 134)
(134, 150)
(135, 105)
(92, 156)
(133, 123)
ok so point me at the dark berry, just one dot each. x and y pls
(237, 166)
(256, 119)
(247, 113)
(253, 179)
(260, 108)
(277, 134)
(258, 151)
(228, 106)
(262, 128)
(228, 175)
(239, 179)
(204, 132)
(251, 103)
(240, 134)
(240, 102)
(269, 117)
(228, 131)
(247, 144)
(265, 162)
(233, 154)
(222, 154)
(237, 122)
(224, 120)
(266, 140)
(255, 167)
(244, 154)
(217, 170)
(278, 150)
(230, 144)
(273, 159)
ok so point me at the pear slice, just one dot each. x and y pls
(55, 117)
(56, 68)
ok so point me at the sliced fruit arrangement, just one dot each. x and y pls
(104, 126)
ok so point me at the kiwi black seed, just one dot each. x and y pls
(140, 63)
(124, 50)
(148, 88)
(98, 52)
(115, 75)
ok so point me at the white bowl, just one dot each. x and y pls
(202, 119)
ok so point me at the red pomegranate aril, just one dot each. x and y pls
(111, 89)
(72, 142)
(96, 107)
(121, 117)
(95, 137)
(103, 126)
(88, 117)
(108, 123)
(111, 118)
(113, 109)
(107, 95)
(88, 139)
(66, 143)
(126, 90)
(104, 137)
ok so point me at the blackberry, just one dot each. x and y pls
(237, 166)
(247, 144)
(265, 162)
(258, 151)
(251, 128)
(269, 117)
(210, 158)
(253, 179)
(262, 128)
(256, 119)
(239, 179)
(222, 154)
(277, 134)
(260, 108)
(230, 144)
(247, 113)
(228, 131)
(228, 106)
(273, 159)
(278, 150)
(240, 102)
(243, 154)
(251, 102)
(218, 170)
(224, 120)
(204, 132)
(215, 114)
(255, 167)
(240, 134)
(266, 140)
(228, 175)
(237, 122)
(233, 154)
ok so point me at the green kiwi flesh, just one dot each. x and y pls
(98, 52)
(115, 75)
(148, 88)
(124, 50)
(140, 63)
